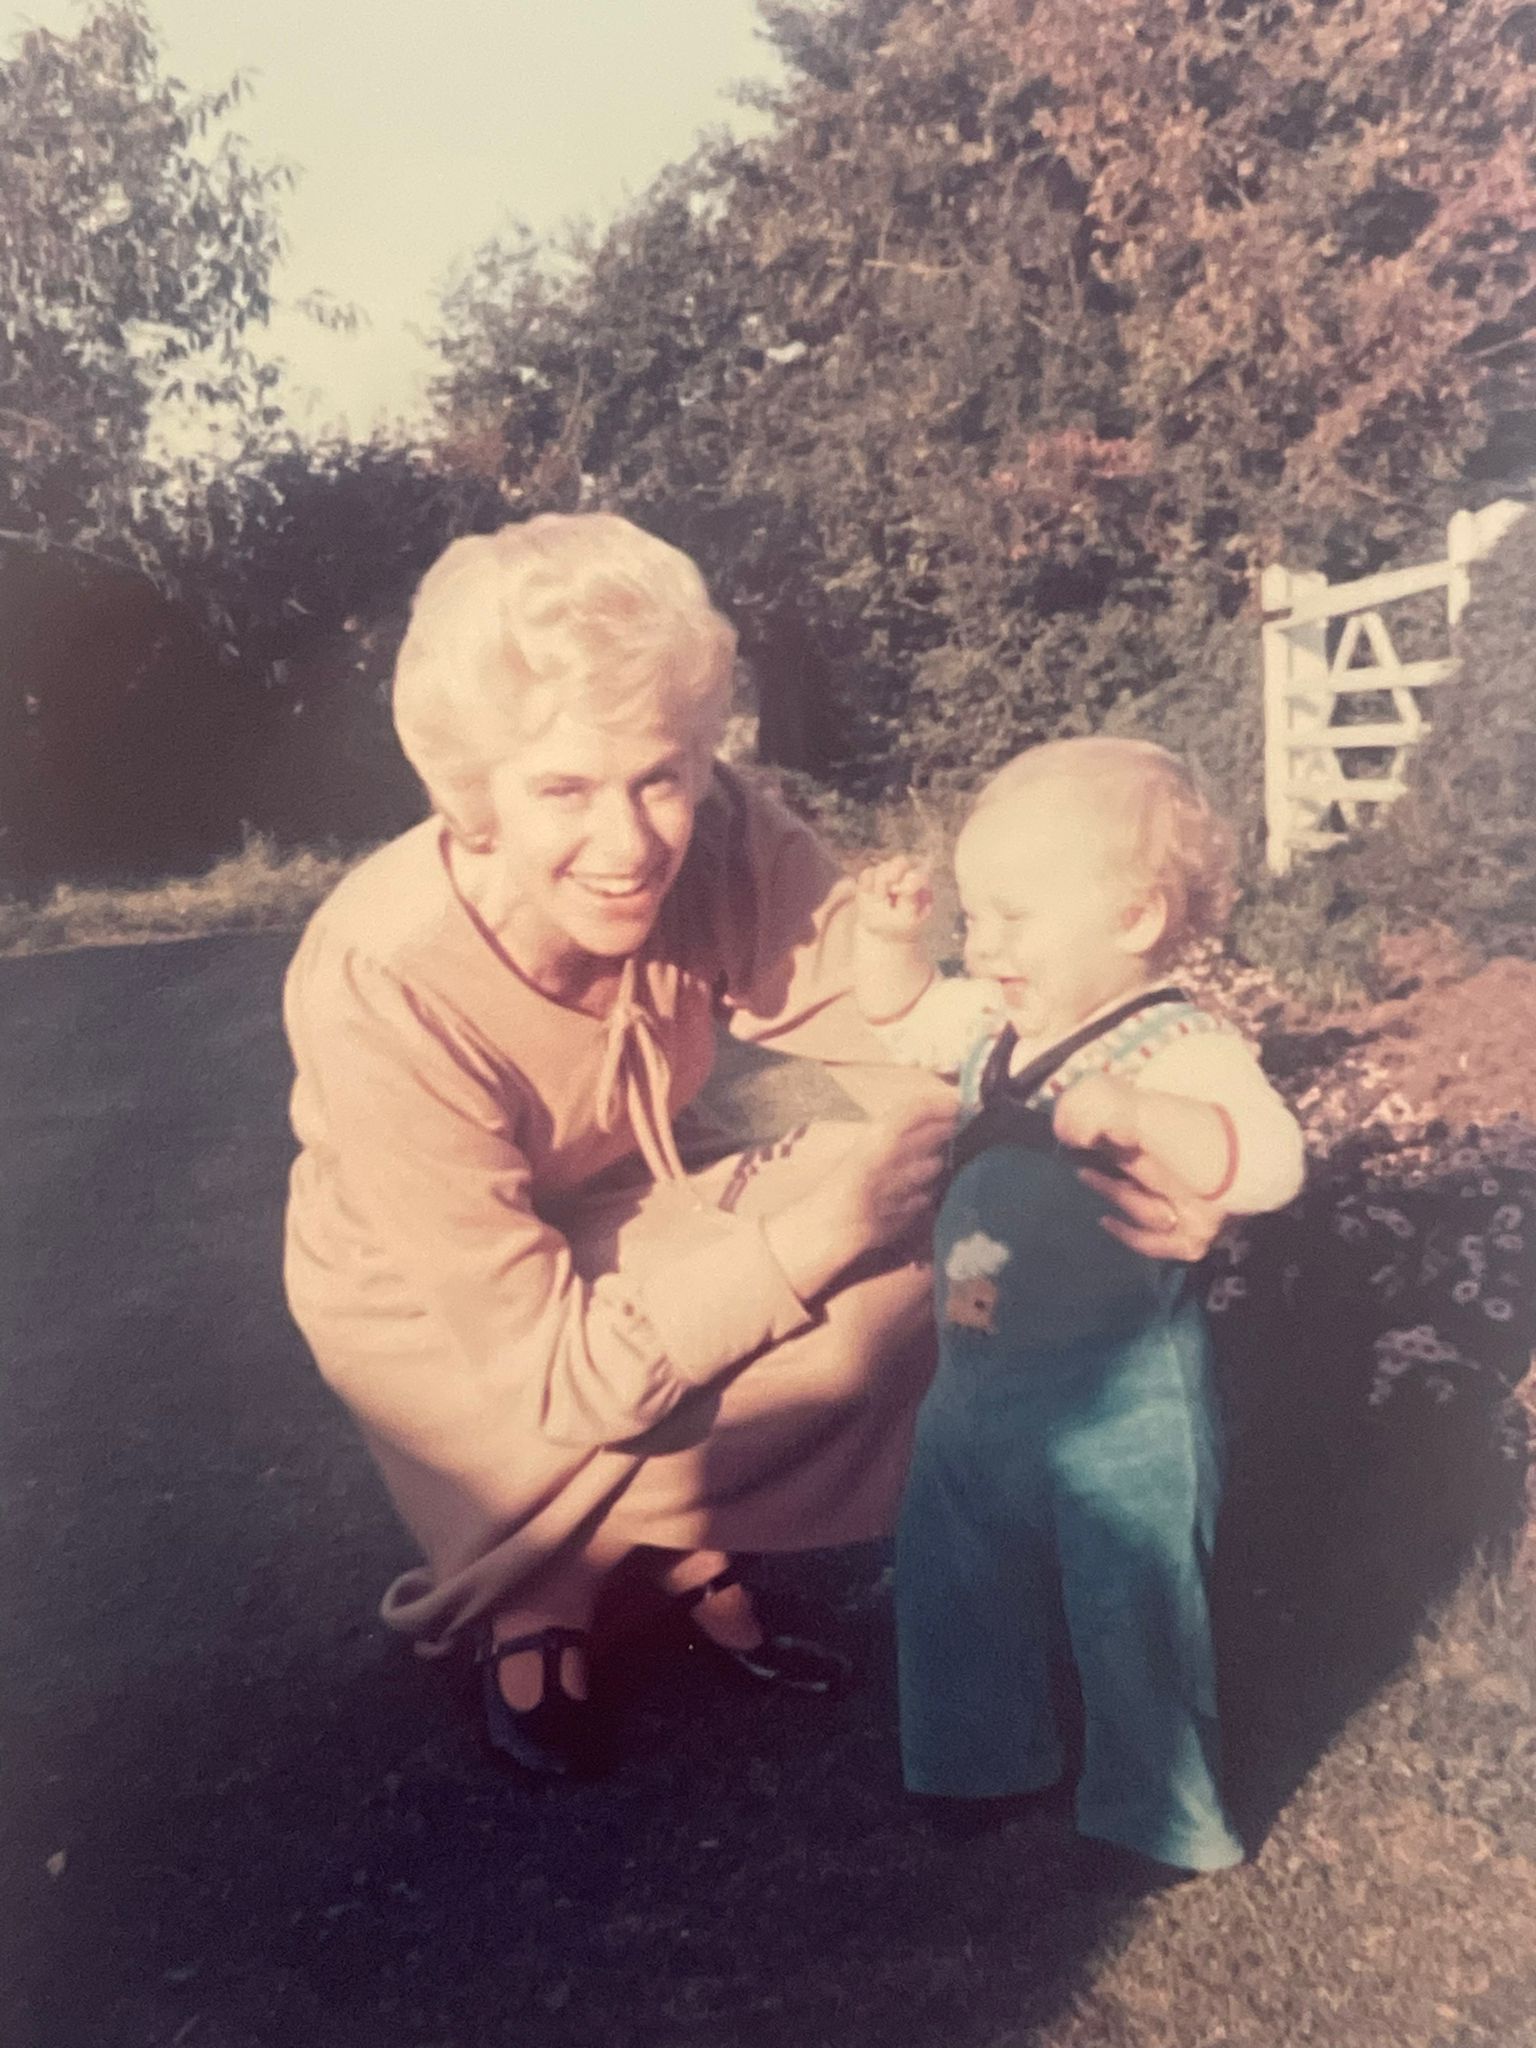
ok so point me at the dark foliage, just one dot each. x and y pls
(306, 566)
(144, 725)
(122, 747)
(1461, 846)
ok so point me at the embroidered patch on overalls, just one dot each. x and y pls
(970, 1293)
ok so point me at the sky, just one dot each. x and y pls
(421, 127)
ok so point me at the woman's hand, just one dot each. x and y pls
(1155, 1142)
(882, 1187)
(1154, 1211)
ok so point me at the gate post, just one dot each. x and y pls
(1275, 597)
(1298, 706)
(1468, 537)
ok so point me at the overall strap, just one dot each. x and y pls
(996, 1080)
(1006, 1113)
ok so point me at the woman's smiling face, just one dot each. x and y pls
(592, 824)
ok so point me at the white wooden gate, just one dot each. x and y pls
(1306, 784)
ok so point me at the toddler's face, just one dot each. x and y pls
(1046, 915)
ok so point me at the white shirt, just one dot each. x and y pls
(955, 1014)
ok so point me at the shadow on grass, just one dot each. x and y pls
(321, 1854)
(238, 1815)
(1378, 1446)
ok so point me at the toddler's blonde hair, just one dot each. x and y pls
(1161, 831)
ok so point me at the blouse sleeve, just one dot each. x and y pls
(421, 1141)
(1218, 1067)
(953, 1013)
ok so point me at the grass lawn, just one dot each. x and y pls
(237, 1815)
(259, 888)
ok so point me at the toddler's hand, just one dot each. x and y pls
(895, 898)
(1099, 1113)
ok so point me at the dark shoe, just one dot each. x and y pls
(560, 1736)
(788, 1663)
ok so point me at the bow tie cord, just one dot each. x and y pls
(634, 1080)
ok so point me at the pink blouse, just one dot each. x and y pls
(449, 1114)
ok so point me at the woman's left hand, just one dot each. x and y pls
(1156, 1213)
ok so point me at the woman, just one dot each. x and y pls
(564, 1351)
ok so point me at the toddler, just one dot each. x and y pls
(1066, 1470)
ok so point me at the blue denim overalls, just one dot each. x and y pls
(1064, 1483)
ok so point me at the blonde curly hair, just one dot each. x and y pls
(578, 612)
(1162, 832)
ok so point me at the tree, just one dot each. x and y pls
(139, 239)
(138, 246)
(797, 357)
(308, 562)
(1319, 220)
(985, 381)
